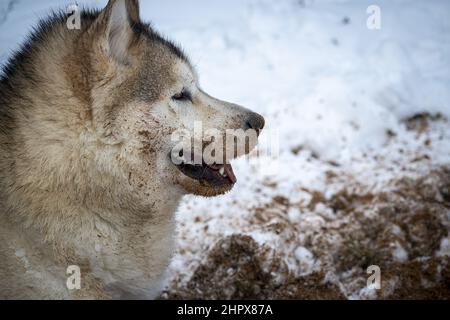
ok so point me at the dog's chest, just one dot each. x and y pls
(132, 261)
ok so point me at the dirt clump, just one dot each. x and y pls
(238, 268)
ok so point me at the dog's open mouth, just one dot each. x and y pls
(217, 175)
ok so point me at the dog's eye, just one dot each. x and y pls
(183, 96)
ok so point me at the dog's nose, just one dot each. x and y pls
(255, 121)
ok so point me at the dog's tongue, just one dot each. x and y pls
(227, 169)
(230, 174)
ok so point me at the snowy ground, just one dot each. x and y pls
(354, 165)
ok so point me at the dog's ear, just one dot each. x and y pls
(133, 11)
(115, 24)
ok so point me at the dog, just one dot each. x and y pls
(88, 181)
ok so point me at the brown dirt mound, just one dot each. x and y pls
(421, 279)
(238, 268)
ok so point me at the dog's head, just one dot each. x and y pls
(151, 115)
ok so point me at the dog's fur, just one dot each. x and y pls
(86, 118)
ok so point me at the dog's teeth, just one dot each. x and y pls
(222, 171)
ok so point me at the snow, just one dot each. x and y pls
(445, 247)
(305, 259)
(399, 253)
(330, 89)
